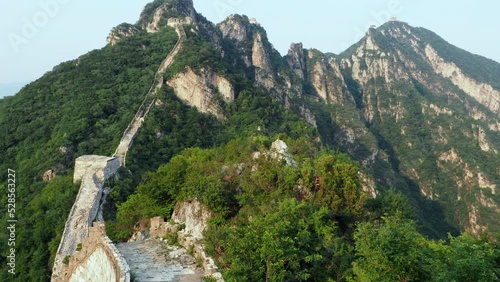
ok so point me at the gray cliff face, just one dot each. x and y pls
(325, 75)
(296, 59)
(250, 41)
(236, 27)
(398, 77)
(198, 89)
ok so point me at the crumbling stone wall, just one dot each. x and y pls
(97, 260)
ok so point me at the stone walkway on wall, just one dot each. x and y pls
(149, 100)
(152, 260)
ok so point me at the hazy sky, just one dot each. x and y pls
(36, 35)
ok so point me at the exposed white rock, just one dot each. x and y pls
(486, 202)
(440, 111)
(120, 32)
(260, 58)
(154, 25)
(370, 44)
(366, 68)
(197, 89)
(326, 78)
(453, 158)
(296, 59)
(319, 81)
(483, 93)
(485, 183)
(309, 116)
(475, 228)
(480, 135)
(194, 215)
(368, 185)
(494, 126)
(49, 175)
(279, 150)
(235, 27)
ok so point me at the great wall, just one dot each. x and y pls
(85, 253)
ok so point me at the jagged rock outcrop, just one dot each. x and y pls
(120, 32)
(49, 175)
(369, 62)
(325, 76)
(240, 30)
(202, 89)
(261, 61)
(194, 215)
(296, 59)
(279, 150)
(156, 14)
(236, 27)
(253, 47)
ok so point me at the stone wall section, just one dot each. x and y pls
(98, 260)
(150, 98)
(92, 171)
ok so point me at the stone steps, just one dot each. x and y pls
(152, 260)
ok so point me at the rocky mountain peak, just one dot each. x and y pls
(296, 59)
(121, 31)
(156, 14)
(236, 27)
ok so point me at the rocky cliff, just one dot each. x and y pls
(203, 89)
(395, 101)
(389, 96)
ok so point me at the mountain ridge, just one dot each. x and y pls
(409, 55)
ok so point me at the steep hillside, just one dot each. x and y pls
(394, 103)
(437, 124)
(398, 134)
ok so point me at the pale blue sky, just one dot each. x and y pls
(65, 29)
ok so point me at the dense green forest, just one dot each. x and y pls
(304, 222)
